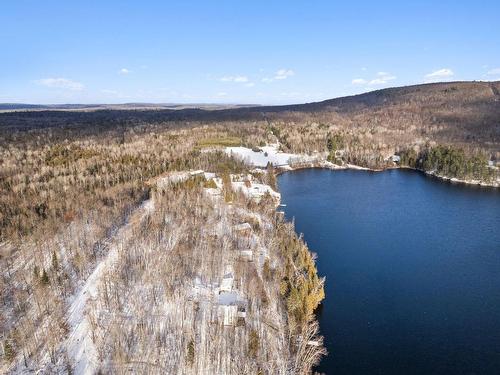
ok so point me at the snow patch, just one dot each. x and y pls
(79, 344)
(269, 154)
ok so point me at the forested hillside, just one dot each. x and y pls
(86, 229)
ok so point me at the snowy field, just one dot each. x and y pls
(269, 154)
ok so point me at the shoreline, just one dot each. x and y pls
(281, 162)
(317, 191)
(335, 167)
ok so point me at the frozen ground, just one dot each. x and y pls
(269, 154)
(79, 344)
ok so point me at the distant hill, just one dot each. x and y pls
(449, 93)
(19, 106)
(452, 93)
(125, 106)
(462, 113)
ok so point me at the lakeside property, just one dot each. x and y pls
(271, 154)
(73, 181)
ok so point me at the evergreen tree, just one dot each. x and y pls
(45, 277)
(190, 353)
(55, 263)
(8, 350)
(253, 344)
(271, 177)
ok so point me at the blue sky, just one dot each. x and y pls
(268, 52)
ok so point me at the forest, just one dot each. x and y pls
(97, 245)
(72, 199)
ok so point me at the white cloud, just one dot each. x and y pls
(237, 79)
(61, 83)
(358, 81)
(494, 72)
(439, 75)
(381, 78)
(284, 73)
(279, 75)
(249, 84)
(124, 71)
(221, 94)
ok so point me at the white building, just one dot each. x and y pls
(246, 254)
(230, 308)
(227, 280)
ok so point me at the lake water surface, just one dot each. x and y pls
(412, 268)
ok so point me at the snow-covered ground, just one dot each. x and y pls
(352, 166)
(286, 161)
(79, 344)
(468, 182)
(269, 154)
(256, 190)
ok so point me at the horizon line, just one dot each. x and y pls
(90, 104)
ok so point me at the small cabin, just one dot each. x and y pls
(227, 283)
(230, 308)
(227, 280)
(255, 191)
(198, 172)
(395, 158)
(246, 254)
(242, 314)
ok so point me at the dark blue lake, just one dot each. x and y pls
(412, 268)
